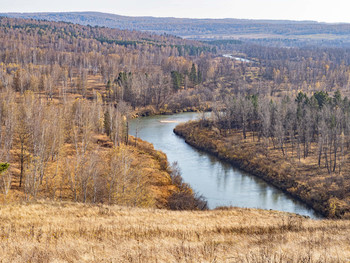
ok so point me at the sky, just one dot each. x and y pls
(317, 10)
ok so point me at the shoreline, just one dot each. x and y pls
(150, 111)
(205, 140)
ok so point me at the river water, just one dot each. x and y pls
(219, 182)
(236, 58)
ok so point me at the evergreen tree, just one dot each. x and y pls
(3, 167)
(337, 100)
(109, 88)
(124, 80)
(322, 98)
(199, 77)
(177, 80)
(193, 74)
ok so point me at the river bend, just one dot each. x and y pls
(219, 182)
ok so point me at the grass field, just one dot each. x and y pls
(73, 232)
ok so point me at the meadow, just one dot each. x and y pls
(48, 231)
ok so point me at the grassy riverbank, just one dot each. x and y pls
(75, 232)
(325, 193)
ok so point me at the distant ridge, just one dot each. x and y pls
(207, 29)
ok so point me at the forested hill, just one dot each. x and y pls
(67, 92)
(38, 52)
(267, 31)
(64, 27)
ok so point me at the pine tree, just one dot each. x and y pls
(193, 74)
(3, 167)
(177, 80)
(199, 77)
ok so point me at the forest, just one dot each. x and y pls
(300, 144)
(67, 95)
(265, 32)
(67, 88)
(75, 186)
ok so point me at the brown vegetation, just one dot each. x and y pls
(140, 176)
(72, 232)
(80, 150)
(67, 93)
(60, 151)
(59, 60)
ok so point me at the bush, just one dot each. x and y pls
(184, 198)
(187, 201)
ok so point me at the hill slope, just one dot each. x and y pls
(300, 31)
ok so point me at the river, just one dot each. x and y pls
(219, 182)
(236, 58)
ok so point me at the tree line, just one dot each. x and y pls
(317, 124)
(53, 145)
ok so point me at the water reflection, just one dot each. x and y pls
(218, 181)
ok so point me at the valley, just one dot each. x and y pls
(91, 171)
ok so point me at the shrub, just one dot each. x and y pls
(187, 201)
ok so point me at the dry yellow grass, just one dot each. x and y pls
(73, 232)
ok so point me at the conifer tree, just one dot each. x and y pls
(3, 167)
(193, 74)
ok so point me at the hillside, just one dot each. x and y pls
(58, 59)
(61, 232)
(67, 93)
(287, 32)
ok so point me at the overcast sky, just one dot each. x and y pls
(318, 10)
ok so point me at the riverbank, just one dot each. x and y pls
(152, 111)
(76, 232)
(133, 174)
(166, 183)
(296, 179)
(217, 181)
